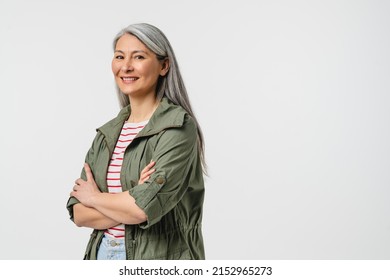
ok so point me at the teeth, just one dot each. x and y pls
(129, 79)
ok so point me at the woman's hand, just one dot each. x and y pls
(84, 191)
(110, 209)
(146, 172)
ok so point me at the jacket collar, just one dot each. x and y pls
(165, 116)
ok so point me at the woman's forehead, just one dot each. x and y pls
(128, 42)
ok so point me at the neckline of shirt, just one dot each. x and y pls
(143, 123)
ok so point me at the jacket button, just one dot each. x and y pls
(160, 180)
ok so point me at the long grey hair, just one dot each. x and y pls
(171, 85)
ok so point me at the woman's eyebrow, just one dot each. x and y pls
(135, 51)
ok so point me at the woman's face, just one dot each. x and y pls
(136, 68)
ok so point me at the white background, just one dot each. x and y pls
(293, 98)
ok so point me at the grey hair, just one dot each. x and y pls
(171, 85)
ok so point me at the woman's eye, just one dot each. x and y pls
(119, 57)
(139, 57)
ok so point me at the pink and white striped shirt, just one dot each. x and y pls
(128, 133)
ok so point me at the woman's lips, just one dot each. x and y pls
(128, 80)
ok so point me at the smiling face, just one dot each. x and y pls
(136, 68)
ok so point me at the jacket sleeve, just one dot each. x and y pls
(88, 159)
(174, 155)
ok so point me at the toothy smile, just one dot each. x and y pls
(129, 79)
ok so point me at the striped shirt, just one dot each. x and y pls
(128, 133)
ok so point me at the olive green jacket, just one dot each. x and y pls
(173, 196)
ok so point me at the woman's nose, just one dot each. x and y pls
(127, 65)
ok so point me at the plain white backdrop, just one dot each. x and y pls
(293, 98)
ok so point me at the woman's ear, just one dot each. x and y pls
(165, 67)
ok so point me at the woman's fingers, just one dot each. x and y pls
(150, 165)
(148, 169)
(145, 175)
(146, 172)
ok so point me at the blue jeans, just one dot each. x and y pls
(112, 249)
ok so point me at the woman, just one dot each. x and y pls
(141, 188)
